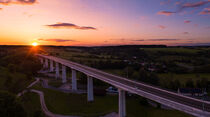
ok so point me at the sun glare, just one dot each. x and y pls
(34, 44)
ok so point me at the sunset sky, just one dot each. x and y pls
(104, 22)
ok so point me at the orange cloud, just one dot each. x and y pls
(23, 2)
(70, 26)
(205, 12)
(161, 26)
(166, 13)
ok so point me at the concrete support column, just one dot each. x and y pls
(122, 103)
(42, 60)
(46, 63)
(90, 89)
(74, 80)
(63, 73)
(51, 65)
(57, 70)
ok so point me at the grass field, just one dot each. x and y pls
(74, 104)
(55, 83)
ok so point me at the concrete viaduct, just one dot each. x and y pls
(179, 102)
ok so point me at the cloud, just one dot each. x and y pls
(23, 2)
(165, 2)
(70, 26)
(185, 33)
(161, 26)
(194, 4)
(187, 21)
(0, 8)
(206, 11)
(208, 27)
(26, 1)
(56, 40)
(182, 6)
(156, 40)
(166, 13)
(177, 3)
(139, 40)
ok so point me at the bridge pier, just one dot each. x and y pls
(51, 66)
(74, 80)
(122, 103)
(57, 70)
(90, 89)
(41, 60)
(46, 63)
(63, 73)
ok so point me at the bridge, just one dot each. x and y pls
(195, 107)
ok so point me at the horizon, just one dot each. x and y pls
(105, 23)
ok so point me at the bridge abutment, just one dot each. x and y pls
(90, 89)
(122, 103)
(63, 73)
(74, 80)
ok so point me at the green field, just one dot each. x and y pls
(55, 83)
(74, 104)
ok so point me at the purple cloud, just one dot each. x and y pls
(183, 6)
(156, 40)
(70, 26)
(206, 11)
(166, 13)
(23, 2)
(194, 4)
(185, 33)
(187, 21)
(56, 40)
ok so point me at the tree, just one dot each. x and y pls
(189, 84)
(10, 106)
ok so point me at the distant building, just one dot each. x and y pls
(191, 91)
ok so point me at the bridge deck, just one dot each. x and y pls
(138, 87)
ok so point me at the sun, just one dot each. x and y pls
(34, 44)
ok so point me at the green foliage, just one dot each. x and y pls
(148, 77)
(10, 106)
(31, 104)
(18, 65)
(190, 84)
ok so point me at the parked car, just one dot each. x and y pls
(112, 90)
